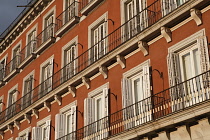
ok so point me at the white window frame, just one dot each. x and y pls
(30, 75)
(101, 20)
(51, 12)
(43, 122)
(5, 63)
(67, 47)
(177, 48)
(16, 94)
(127, 100)
(49, 61)
(96, 94)
(66, 110)
(35, 28)
(19, 44)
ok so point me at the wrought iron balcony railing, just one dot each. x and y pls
(121, 35)
(179, 97)
(68, 16)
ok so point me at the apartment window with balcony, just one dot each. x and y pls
(48, 27)
(170, 5)
(70, 6)
(12, 97)
(42, 131)
(188, 59)
(136, 95)
(31, 39)
(15, 57)
(69, 61)
(46, 77)
(27, 90)
(66, 122)
(134, 23)
(98, 32)
(2, 68)
(96, 108)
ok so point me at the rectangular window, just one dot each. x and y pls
(186, 63)
(42, 132)
(15, 58)
(66, 123)
(2, 68)
(135, 17)
(49, 27)
(69, 61)
(27, 93)
(70, 6)
(46, 77)
(95, 112)
(31, 43)
(136, 95)
(98, 45)
(12, 97)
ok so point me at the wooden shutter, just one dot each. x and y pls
(74, 117)
(50, 75)
(89, 112)
(60, 120)
(146, 78)
(174, 72)
(36, 133)
(204, 55)
(127, 92)
(105, 105)
(48, 127)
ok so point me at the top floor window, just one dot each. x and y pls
(31, 39)
(2, 68)
(16, 57)
(49, 27)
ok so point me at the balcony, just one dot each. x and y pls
(160, 105)
(68, 18)
(116, 43)
(45, 39)
(12, 68)
(27, 54)
(88, 5)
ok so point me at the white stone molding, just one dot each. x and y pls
(143, 46)
(47, 105)
(104, 71)
(145, 138)
(183, 132)
(72, 90)
(10, 128)
(121, 61)
(163, 135)
(28, 118)
(17, 124)
(86, 81)
(166, 33)
(196, 15)
(36, 113)
(2, 134)
(58, 99)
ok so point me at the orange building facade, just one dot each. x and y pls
(106, 69)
